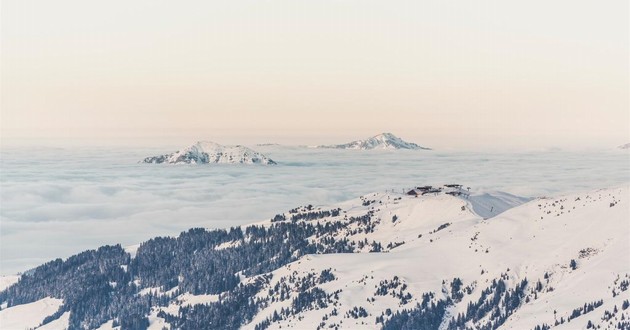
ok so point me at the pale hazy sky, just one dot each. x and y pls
(444, 74)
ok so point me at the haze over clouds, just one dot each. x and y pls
(57, 202)
(446, 74)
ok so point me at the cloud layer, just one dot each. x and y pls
(56, 202)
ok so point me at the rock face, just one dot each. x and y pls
(205, 152)
(381, 141)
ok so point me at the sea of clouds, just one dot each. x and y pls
(55, 202)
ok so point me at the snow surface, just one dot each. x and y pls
(61, 323)
(156, 322)
(8, 280)
(490, 204)
(380, 141)
(189, 299)
(132, 250)
(206, 152)
(109, 325)
(31, 315)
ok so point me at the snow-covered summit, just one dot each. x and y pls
(206, 152)
(381, 141)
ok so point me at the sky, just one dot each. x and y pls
(445, 74)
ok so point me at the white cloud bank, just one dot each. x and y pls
(56, 202)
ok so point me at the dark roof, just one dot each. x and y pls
(430, 191)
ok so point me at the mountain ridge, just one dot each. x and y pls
(207, 152)
(380, 141)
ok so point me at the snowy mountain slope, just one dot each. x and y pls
(490, 204)
(517, 245)
(61, 323)
(425, 262)
(381, 141)
(29, 315)
(205, 152)
(7, 280)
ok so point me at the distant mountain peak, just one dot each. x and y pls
(624, 146)
(387, 135)
(381, 141)
(208, 152)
